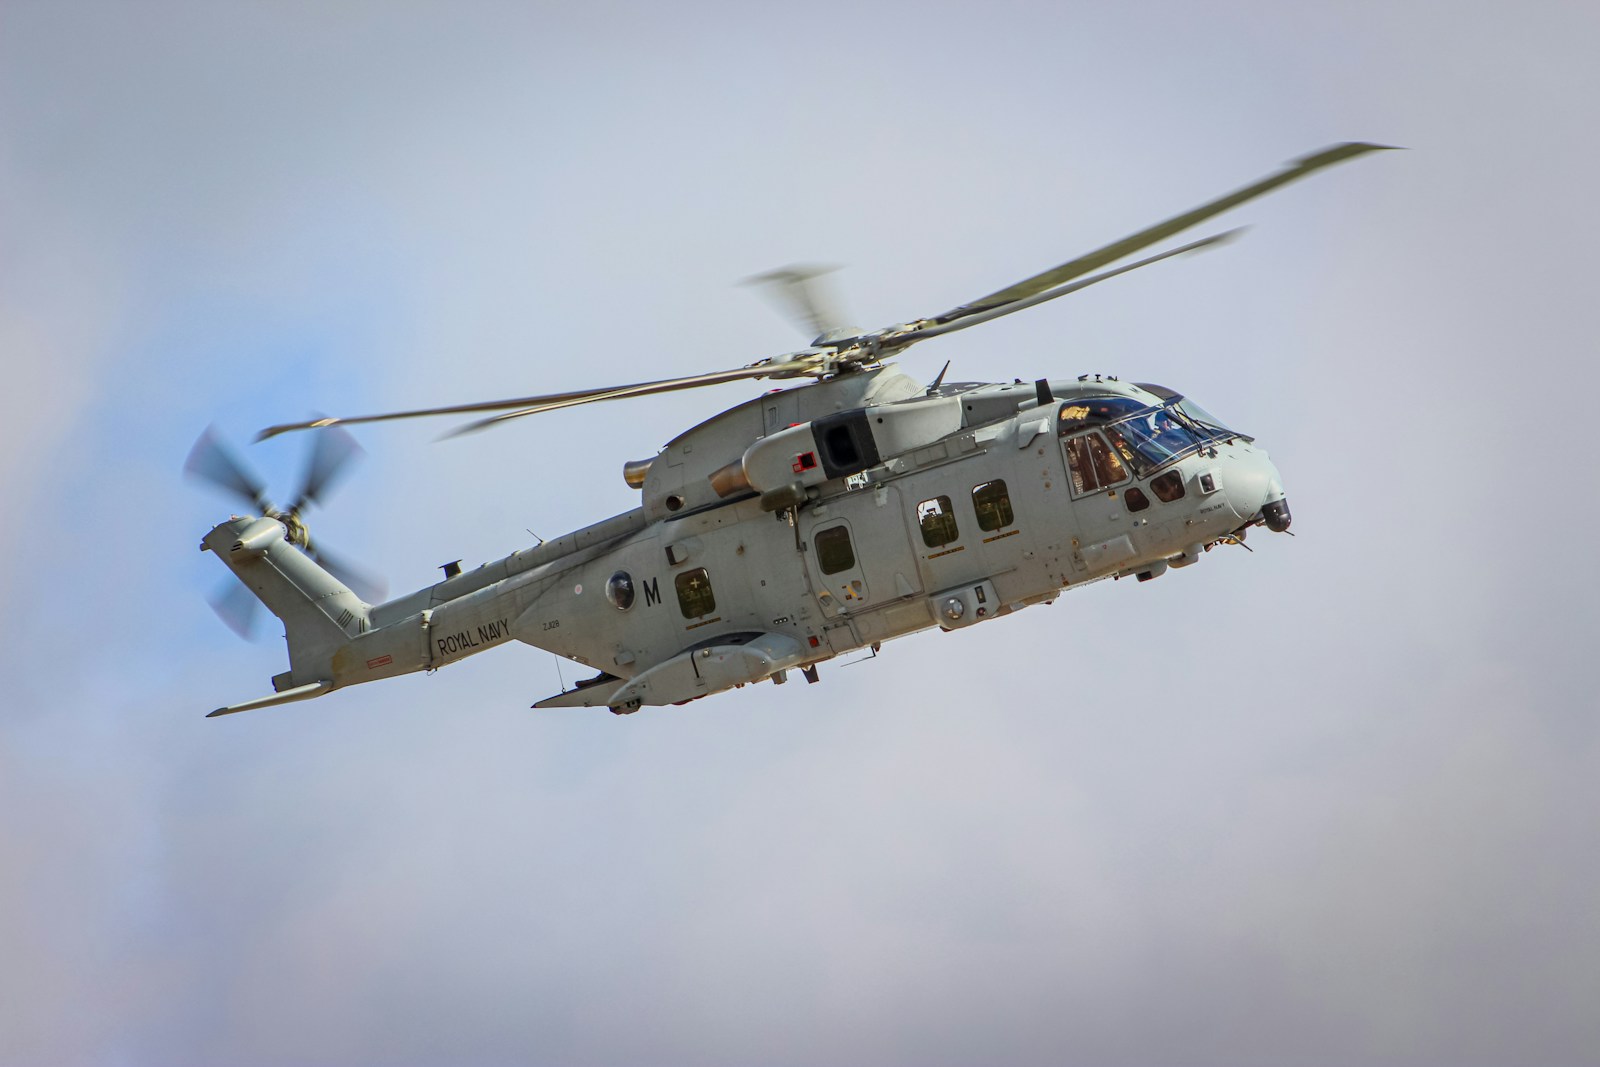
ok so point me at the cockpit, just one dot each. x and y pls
(1143, 437)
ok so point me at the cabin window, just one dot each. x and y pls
(834, 551)
(1168, 487)
(1092, 463)
(695, 597)
(619, 590)
(993, 505)
(1135, 499)
(938, 522)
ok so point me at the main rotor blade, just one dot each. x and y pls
(527, 405)
(695, 381)
(1110, 253)
(993, 313)
(454, 409)
(802, 298)
(212, 461)
(331, 455)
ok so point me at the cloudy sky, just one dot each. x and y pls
(1332, 802)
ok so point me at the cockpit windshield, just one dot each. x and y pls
(1153, 438)
(1204, 421)
(1148, 437)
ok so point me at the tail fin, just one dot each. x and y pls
(319, 613)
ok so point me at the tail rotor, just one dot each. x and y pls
(238, 608)
(329, 460)
(212, 461)
(332, 453)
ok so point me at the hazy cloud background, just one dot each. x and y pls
(1331, 802)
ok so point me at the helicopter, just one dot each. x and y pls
(798, 526)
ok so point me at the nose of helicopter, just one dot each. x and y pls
(1252, 487)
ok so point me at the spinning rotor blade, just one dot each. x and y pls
(694, 381)
(1017, 305)
(1110, 253)
(796, 290)
(364, 584)
(841, 354)
(330, 458)
(210, 460)
(529, 405)
(238, 607)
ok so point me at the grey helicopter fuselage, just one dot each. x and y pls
(805, 523)
(801, 525)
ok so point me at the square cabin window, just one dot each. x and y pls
(993, 505)
(834, 551)
(938, 522)
(695, 597)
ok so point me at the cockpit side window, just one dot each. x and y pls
(1167, 487)
(1092, 463)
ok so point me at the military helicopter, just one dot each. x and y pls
(802, 524)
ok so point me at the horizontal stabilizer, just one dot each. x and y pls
(288, 696)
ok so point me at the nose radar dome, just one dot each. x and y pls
(1246, 485)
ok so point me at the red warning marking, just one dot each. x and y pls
(381, 661)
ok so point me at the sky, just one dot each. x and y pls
(1333, 801)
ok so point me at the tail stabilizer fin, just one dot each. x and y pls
(319, 612)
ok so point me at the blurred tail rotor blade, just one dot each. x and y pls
(330, 458)
(364, 584)
(237, 606)
(211, 461)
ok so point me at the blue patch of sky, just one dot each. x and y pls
(316, 323)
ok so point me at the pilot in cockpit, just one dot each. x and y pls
(1169, 432)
